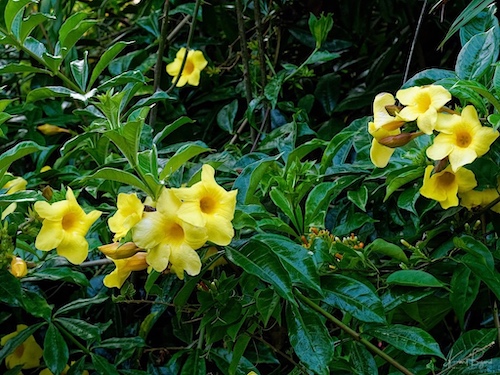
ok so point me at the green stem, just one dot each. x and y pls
(72, 338)
(355, 335)
(200, 339)
(188, 44)
(301, 66)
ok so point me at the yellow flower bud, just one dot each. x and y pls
(116, 250)
(48, 129)
(18, 267)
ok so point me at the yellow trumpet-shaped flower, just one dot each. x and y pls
(168, 238)
(380, 154)
(27, 354)
(462, 138)
(117, 250)
(381, 117)
(18, 267)
(129, 213)
(475, 198)
(422, 104)
(64, 227)
(207, 204)
(13, 186)
(444, 186)
(195, 63)
(124, 268)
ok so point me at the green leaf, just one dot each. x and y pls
(471, 345)
(195, 364)
(227, 115)
(122, 343)
(266, 300)
(303, 150)
(336, 144)
(322, 57)
(181, 156)
(258, 259)
(17, 340)
(56, 353)
(17, 152)
(50, 92)
(484, 21)
(411, 340)
(280, 200)
(105, 59)
(309, 338)
(36, 305)
(464, 290)
(273, 88)
(359, 197)
(123, 79)
(250, 178)
(327, 92)
(477, 55)
(361, 359)
(320, 27)
(14, 68)
(72, 30)
(118, 175)
(102, 366)
(167, 130)
(12, 9)
(32, 21)
(10, 289)
(402, 176)
(353, 297)
(80, 328)
(296, 260)
(428, 77)
(61, 273)
(81, 304)
(386, 248)
(80, 71)
(415, 278)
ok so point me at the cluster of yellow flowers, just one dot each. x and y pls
(181, 221)
(460, 139)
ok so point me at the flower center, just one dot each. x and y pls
(69, 220)
(207, 205)
(423, 102)
(463, 139)
(188, 67)
(446, 179)
(175, 233)
(19, 351)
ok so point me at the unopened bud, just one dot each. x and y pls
(398, 140)
(47, 192)
(393, 110)
(116, 251)
(18, 267)
(48, 129)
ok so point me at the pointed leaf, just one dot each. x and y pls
(105, 59)
(181, 156)
(118, 175)
(56, 353)
(416, 278)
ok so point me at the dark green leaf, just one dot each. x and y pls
(118, 175)
(195, 364)
(36, 305)
(21, 68)
(361, 359)
(471, 345)
(102, 366)
(428, 77)
(80, 328)
(227, 115)
(386, 248)
(327, 92)
(416, 278)
(105, 59)
(250, 178)
(10, 289)
(359, 197)
(170, 128)
(477, 55)
(56, 353)
(182, 155)
(81, 304)
(122, 343)
(123, 79)
(402, 176)
(464, 289)
(61, 273)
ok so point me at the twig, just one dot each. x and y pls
(414, 41)
(244, 51)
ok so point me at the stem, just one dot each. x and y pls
(414, 41)
(244, 51)
(200, 339)
(188, 44)
(72, 338)
(159, 60)
(301, 66)
(260, 41)
(355, 335)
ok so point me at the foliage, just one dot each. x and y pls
(228, 217)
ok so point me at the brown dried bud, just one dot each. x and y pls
(398, 140)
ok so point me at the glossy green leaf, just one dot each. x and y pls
(105, 59)
(267, 300)
(336, 144)
(258, 259)
(471, 345)
(72, 30)
(359, 197)
(167, 130)
(227, 115)
(12, 9)
(17, 152)
(80, 71)
(36, 305)
(195, 364)
(309, 338)
(61, 273)
(296, 260)
(102, 366)
(411, 340)
(361, 359)
(21, 68)
(56, 352)
(80, 328)
(303, 150)
(402, 176)
(17, 340)
(322, 57)
(181, 156)
(477, 55)
(81, 303)
(49, 92)
(273, 88)
(10, 288)
(464, 290)
(249, 179)
(415, 278)
(381, 246)
(320, 27)
(284, 204)
(353, 297)
(429, 76)
(123, 79)
(118, 175)
(327, 92)
(122, 343)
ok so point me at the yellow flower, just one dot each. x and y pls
(206, 204)
(129, 213)
(462, 138)
(48, 129)
(380, 154)
(116, 250)
(195, 63)
(381, 117)
(27, 354)
(422, 104)
(45, 168)
(124, 268)
(64, 227)
(13, 186)
(444, 186)
(18, 267)
(475, 198)
(168, 238)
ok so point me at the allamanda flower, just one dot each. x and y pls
(64, 227)
(168, 238)
(475, 198)
(124, 268)
(13, 186)
(195, 63)
(27, 354)
(380, 154)
(129, 213)
(462, 138)
(381, 117)
(422, 104)
(444, 186)
(207, 204)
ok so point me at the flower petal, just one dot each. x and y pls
(73, 247)
(186, 259)
(50, 236)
